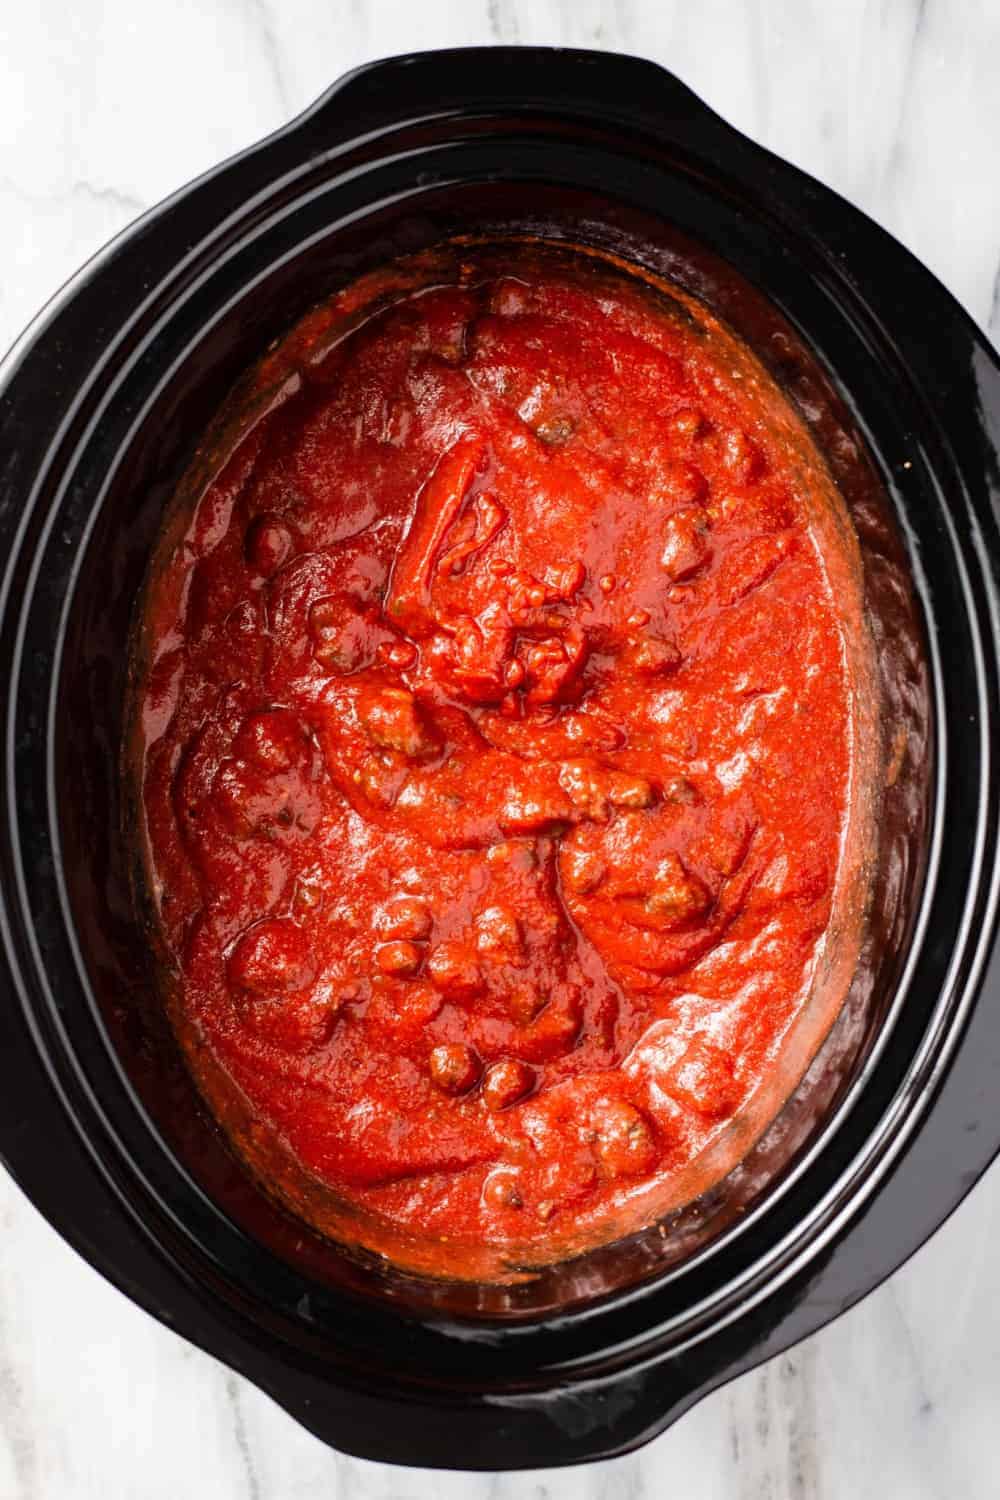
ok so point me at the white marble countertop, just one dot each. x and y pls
(105, 107)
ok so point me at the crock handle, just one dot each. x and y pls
(401, 92)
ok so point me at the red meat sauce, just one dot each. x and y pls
(495, 720)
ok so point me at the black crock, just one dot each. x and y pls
(101, 403)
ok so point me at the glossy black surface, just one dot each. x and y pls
(99, 406)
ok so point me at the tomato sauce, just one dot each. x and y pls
(496, 708)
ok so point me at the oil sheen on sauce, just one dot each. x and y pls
(495, 715)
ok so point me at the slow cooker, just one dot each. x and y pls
(101, 403)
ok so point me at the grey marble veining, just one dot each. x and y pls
(105, 107)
